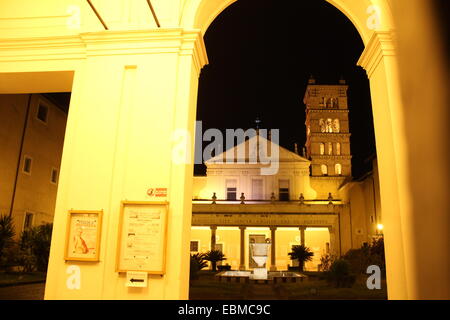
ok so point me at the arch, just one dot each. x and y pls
(335, 103)
(329, 148)
(386, 100)
(199, 14)
(338, 148)
(324, 169)
(322, 125)
(336, 126)
(338, 169)
(329, 125)
(322, 148)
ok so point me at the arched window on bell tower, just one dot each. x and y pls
(329, 126)
(336, 126)
(338, 169)
(338, 149)
(322, 149)
(329, 148)
(334, 103)
(322, 124)
(324, 169)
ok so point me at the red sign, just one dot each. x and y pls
(157, 192)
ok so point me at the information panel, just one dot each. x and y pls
(142, 237)
(83, 235)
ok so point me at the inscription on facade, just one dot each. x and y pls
(262, 220)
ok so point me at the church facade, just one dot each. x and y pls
(311, 200)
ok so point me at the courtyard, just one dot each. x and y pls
(207, 287)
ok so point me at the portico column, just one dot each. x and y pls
(380, 62)
(141, 83)
(242, 249)
(302, 235)
(273, 266)
(213, 237)
(331, 230)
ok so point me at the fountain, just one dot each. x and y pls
(260, 252)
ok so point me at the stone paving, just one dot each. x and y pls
(23, 292)
(36, 292)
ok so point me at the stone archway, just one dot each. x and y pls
(373, 20)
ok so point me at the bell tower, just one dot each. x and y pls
(327, 129)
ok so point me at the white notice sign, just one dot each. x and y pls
(137, 279)
(142, 237)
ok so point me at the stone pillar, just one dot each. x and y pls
(273, 264)
(213, 237)
(380, 62)
(302, 235)
(333, 246)
(129, 85)
(426, 236)
(242, 249)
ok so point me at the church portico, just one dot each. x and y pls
(224, 228)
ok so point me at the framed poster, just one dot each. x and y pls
(142, 237)
(83, 235)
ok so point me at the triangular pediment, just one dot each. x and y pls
(247, 152)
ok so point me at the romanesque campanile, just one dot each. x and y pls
(327, 126)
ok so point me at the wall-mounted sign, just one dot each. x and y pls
(157, 192)
(137, 279)
(142, 237)
(83, 235)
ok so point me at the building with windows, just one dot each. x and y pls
(32, 131)
(311, 200)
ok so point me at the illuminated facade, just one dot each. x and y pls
(235, 204)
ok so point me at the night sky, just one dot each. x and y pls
(261, 55)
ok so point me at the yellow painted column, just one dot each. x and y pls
(302, 235)
(213, 237)
(132, 97)
(333, 243)
(424, 74)
(242, 249)
(273, 264)
(379, 60)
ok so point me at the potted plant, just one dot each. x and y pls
(302, 254)
(214, 256)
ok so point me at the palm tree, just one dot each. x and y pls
(198, 262)
(302, 254)
(6, 232)
(213, 256)
(198, 259)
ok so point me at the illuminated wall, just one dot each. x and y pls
(365, 207)
(35, 191)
